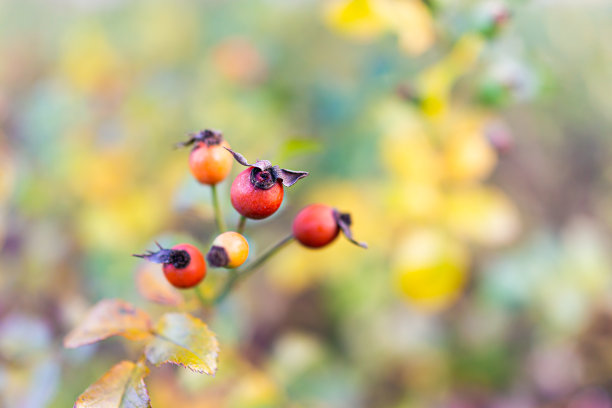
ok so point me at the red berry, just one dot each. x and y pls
(183, 264)
(209, 161)
(252, 201)
(257, 192)
(315, 226)
(210, 164)
(318, 225)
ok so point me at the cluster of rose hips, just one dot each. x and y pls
(256, 193)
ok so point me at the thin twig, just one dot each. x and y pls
(241, 224)
(235, 275)
(217, 209)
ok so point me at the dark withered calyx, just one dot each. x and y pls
(344, 223)
(177, 258)
(208, 136)
(217, 257)
(264, 175)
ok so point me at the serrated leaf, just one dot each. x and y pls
(121, 387)
(110, 317)
(152, 285)
(184, 340)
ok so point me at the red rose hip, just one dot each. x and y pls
(257, 192)
(315, 226)
(318, 225)
(183, 264)
(253, 202)
(209, 162)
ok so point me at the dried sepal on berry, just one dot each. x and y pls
(177, 258)
(344, 222)
(264, 174)
(210, 137)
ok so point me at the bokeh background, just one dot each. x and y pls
(469, 139)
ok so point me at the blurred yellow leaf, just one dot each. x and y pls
(121, 387)
(430, 268)
(183, 340)
(468, 154)
(110, 317)
(482, 214)
(153, 285)
(410, 200)
(409, 154)
(358, 18)
(436, 82)
(412, 21)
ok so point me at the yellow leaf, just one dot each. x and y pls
(468, 154)
(430, 268)
(436, 82)
(358, 18)
(183, 340)
(410, 155)
(121, 387)
(415, 200)
(412, 21)
(110, 317)
(483, 215)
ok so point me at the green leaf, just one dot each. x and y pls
(184, 340)
(110, 317)
(121, 387)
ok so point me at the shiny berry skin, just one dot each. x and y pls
(315, 226)
(183, 264)
(229, 250)
(210, 163)
(253, 202)
(189, 275)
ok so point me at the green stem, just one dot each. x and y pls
(235, 275)
(241, 224)
(217, 208)
(201, 297)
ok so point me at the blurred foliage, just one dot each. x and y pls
(468, 139)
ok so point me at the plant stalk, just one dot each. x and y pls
(217, 209)
(236, 275)
(203, 300)
(241, 224)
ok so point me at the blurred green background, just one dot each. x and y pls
(470, 140)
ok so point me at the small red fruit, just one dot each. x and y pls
(229, 250)
(257, 192)
(183, 264)
(318, 225)
(209, 162)
(253, 202)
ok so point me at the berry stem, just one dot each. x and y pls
(241, 224)
(203, 300)
(235, 275)
(217, 208)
